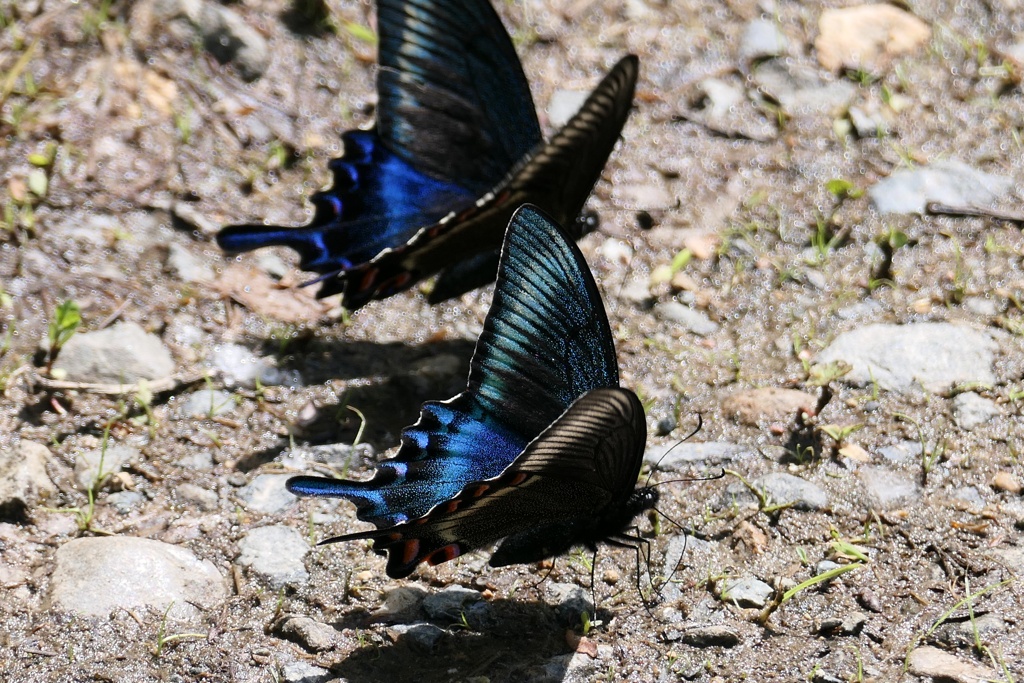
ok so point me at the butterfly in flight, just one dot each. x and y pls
(455, 150)
(542, 449)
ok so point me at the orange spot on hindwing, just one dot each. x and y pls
(410, 549)
(448, 552)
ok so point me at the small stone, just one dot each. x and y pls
(563, 106)
(449, 604)
(1016, 51)
(23, 479)
(303, 672)
(971, 410)
(961, 635)
(125, 501)
(95, 576)
(267, 493)
(273, 265)
(722, 98)
(768, 404)
(901, 358)
(276, 552)
(692, 320)
(93, 468)
(312, 635)
(869, 121)
(643, 197)
(849, 626)
(980, 305)
(400, 602)
(801, 90)
(940, 665)
(239, 366)
(664, 425)
(638, 293)
(949, 181)
(904, 451)
(615, 251)
(855, 452)
(186, 266)
(869, 601)
(674, 456)
(569, 600)
(208, 403)
(762, 38)
(825, 566)
(204, 499)
(886, 489)
(783, 488)
(122, 354)
(867, 36)
(715, 635)
(745, 592)
(421, 637)
(1005, 481)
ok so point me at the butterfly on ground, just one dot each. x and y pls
(455, 150)
(542, 449)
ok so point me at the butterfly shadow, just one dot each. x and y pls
(386, 383)
(502, 640)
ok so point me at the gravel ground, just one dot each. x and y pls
(772, 257)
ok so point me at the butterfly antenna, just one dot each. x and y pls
(691, 479)
(700, 423)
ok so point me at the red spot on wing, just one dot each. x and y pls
(410, 550)
(518, 478)
(445, 554)
(480, 490)
(369, 275)
(452, 506)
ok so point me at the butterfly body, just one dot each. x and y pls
(543, 449)
(456, 149)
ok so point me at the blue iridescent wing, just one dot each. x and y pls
(571, 485)
(545, 342)
(557, 176)
(454, 117)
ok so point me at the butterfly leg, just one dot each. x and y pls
(544, 578)
(642, 547)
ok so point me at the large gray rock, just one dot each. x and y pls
(124, 353)
(94, 576)
(23, 478)
(935, 356)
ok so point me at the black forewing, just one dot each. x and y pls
(560, 176)
(546, 340)
(454, 101)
